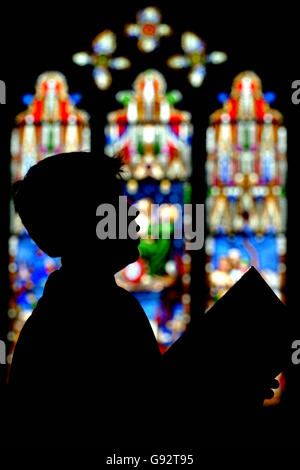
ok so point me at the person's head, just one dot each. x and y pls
(57, 202)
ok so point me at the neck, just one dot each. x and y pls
(87, 271)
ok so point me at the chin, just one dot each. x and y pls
(132, 254)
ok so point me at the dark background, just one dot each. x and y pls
(44, 36)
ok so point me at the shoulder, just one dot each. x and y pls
(130, 308)
(135, 317)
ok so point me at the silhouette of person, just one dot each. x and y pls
(86, 361)
(87, 364)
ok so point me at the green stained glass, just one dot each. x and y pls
(155, 253)
(50, 141)
(173, 97)
(187, 193)
(246, 139)
(102, 60)
(196, 58)
(140, 147)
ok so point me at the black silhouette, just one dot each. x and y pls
(87, 364)
(225, 364)
(86, 360)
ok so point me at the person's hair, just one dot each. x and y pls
(62, 191)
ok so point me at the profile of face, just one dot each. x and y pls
(58, 203)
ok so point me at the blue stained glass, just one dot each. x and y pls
(27, 99)
(267, 168)
(178, 243)
(75, 98)
(222, 97)
(225, 168)
(265, 249)
(174, 198)
(270, 96)
(37, 266)
(160, 199)
(149, 301)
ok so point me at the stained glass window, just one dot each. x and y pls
(51, 124)
(246, 175)
(154, 139)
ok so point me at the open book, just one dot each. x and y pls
(225, 362)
